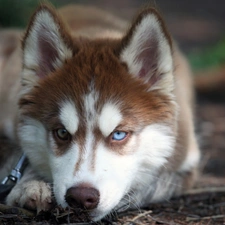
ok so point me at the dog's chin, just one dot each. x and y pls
(94, 215)
(103, 209)
(106, 209)
(97, 215)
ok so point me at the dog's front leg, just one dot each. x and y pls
(31, 192)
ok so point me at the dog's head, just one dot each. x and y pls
(96, 115)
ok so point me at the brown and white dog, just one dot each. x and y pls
(104, 115)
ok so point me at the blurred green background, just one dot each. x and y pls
(195, 24)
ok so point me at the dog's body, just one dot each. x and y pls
(105, 116)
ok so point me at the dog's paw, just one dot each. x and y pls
(34, 195)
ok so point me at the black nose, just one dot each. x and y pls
(82, 197)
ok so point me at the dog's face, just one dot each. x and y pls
(95, 116)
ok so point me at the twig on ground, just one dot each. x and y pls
(139, 216)
(16, 210)
(189, 219)
(204, 190)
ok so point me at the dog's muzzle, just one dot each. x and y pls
(83, 197)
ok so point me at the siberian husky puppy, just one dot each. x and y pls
(104, 114)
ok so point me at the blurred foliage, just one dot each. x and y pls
(210, 57)
(16, 13)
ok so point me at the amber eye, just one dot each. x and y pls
(62, 134)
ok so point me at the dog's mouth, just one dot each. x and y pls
(66, 215)
(82, 203)
(73, 215)
(86, 198)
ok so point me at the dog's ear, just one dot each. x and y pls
(146, 49)
(46, 45)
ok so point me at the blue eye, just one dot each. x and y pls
(119, 135)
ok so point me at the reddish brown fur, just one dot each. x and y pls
(137, 21)
(97, 60)
(73, 81)
(63, 29)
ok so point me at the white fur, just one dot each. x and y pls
(31, 48)
(156, 146)
(133, 175)
(147, 151)
(109, 118)
(69, 117)
(149, 28)
(29, 191)
(90, 100)
(114, 175)
(120, 172)
(63, 168)
(34, 143)
(157, 142)
(192, 158)
(116, 169)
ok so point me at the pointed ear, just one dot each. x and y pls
(46, 45)
(146, 49)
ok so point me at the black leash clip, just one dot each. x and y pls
(9, 182)
(16, 173)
